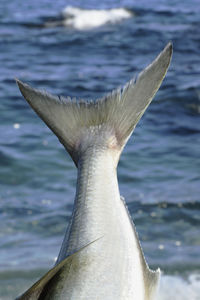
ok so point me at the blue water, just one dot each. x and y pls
(159, 171)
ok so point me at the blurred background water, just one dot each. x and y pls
(67, 52)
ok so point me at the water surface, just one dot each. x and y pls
(159, 171)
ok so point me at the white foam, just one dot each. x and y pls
(177, 288)
(82, 19)
(16, 125)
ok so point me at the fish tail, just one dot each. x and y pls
(107, 122)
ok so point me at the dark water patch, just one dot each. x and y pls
(185, 131)
(5, 160)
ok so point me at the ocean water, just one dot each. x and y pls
(61, 47)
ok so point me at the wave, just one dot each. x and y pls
(177, 288)
(84, 19)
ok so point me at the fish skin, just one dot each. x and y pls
(95, 134)
(40, 289)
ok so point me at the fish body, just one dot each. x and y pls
(101, 256)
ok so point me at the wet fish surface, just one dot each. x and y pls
(101, 256)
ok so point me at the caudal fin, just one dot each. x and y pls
(77, 122)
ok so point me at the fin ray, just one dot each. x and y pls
(35, 291)
(151, 277)
(118, 112)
